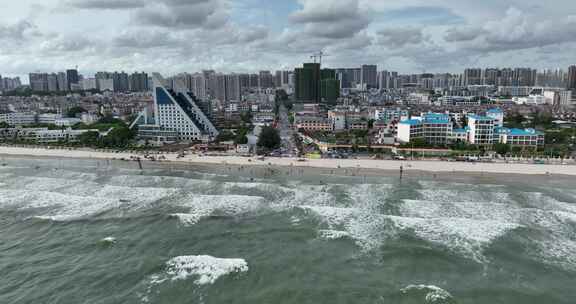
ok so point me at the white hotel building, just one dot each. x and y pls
(177, 116)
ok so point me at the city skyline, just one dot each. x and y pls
(251, 35)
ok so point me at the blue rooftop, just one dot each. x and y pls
(436, 118)
(465, 130)
(518, 132)
(495, 111)
(412, 122)
(478, 117)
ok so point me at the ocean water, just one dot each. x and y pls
(79, 231)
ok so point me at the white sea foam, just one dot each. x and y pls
(557, 250)
(447, 230)
(433, 294)
(370, 230)
(367, 229)
(108, 240)
(443, 195)
(430, 184)
(333, 234)
(189, 219)
(56, 206)
(254, 185)
(41, 183)
(369, 196)
(295, 221)
(206, 269)
(68, 174)
(155, 181)
(273, 192)
(202, 206)
(566, 216)
(134, 196)
(470, 210)
(332, 216)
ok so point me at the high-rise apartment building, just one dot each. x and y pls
(307, 82)
(282, 78)
(72, 78)
(138, 82)
(254, 81)
(8, 84)
(369, 76)
(52, 82)
(265, 80)
(38, 82)
(472, 77)
(121, 82)
(349, 77)
(315, 85)
(233, 92)
(62, 82)
(572, 77)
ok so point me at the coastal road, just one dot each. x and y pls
(286, 132)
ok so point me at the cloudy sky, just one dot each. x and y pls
(171, 36)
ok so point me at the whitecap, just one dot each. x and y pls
(108, 240)
(206, 269)
(370, 230)
(333, 216)
(333, 234)
(56, 206)
(470, 210)
(433, 294)
(134, 196)
(201, 206)
(189, 219)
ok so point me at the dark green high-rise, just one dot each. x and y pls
(316, 85)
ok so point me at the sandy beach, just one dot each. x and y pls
(370, 164)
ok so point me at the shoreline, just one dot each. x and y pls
(391, 166)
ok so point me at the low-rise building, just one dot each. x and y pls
(44, 135)
(437, 128)
(18, 118)
(520, 137)
(434, 128)
(358, 125)
(47, 118)
(312, 123)
(458, 100)
(459, 135)
(338, 119)
(67, 122)
(410, 129)
(391, 114)
(418, 99)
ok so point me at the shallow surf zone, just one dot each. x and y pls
(370, 231)
(202, 206)
(190, 237)
(485, 217)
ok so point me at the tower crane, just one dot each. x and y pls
(318, 56)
